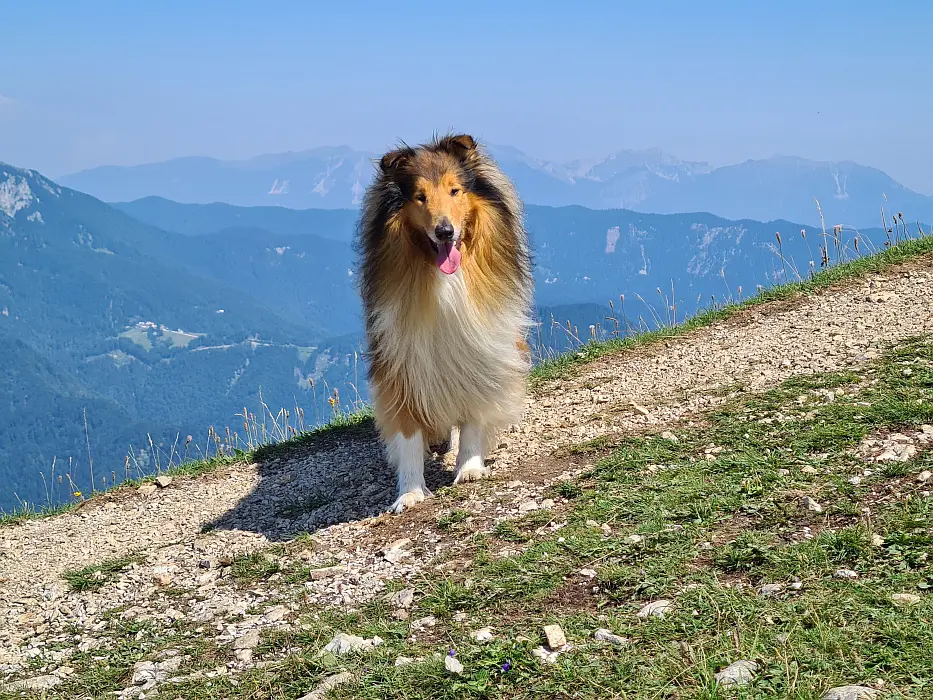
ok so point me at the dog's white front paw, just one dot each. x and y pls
(410, 499)
(472, 470)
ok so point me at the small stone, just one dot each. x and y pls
(327, 572)
(634, 539)
(592, 523)
(163, 481)
(453, 665)
(604, 635)
(147, 489)
(394, 556)
(924, 476)
(428, 621)
(809, 470)
(877, 540)
(905, 598)
(343, 643)
(555, 636)
(527, 506)
(401, 614)
(783, 472)
(547, 656)
(855, 480)
(37, 683)
(460, 617)
(162, 580)
(405, 598)
(657, 608)
(483, 635)
(249, 640)
(850, 692)
(640, 410)
(796, 586)
(327, 684)
(811, 505)
(275, 613)
(588, 573)
(669, 436)
(737, 673)
(404, 661)
(606, 529)
(846, 574)
(145, 672)
(770, 589)
(547, 503)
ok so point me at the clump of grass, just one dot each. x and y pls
(93, 577)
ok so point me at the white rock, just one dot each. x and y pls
(924, 476)
(846, 573)
(343, 643)
(404, 661)
(855, 480)
(635, 539)
(37, 683)
(483, 635)
(657, 608)
(770, 589)
(453, 665)
(327, 572)
(604, 635)
(809, 470)
(147, 489)
(588, 573)
(327, 684)
(877, 540)
(145, 672)
(163, 481)
(249, 640)
(737, 673)
(555, 636)
(811, 505)
(669, 436)
(905, 598)
(527, 506)
(549, 656)
(850, 692)
(405, 598)
(783, 472)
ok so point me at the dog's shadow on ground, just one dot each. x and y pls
(326, 477)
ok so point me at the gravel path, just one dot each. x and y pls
(337, 491)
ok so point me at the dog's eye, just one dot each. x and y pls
(454, 192)
(421, 198)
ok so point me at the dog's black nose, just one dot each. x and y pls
(444, 231)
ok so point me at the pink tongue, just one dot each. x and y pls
(448, 258)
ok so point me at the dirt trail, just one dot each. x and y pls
(334, 490)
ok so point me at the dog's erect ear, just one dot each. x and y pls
(392, 160)
(460, 145)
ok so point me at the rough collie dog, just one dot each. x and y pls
(446, 283)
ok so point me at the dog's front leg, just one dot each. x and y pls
(471, 455)
(406, 454)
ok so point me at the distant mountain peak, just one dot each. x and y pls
(16, 193)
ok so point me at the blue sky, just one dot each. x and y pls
(91, 83)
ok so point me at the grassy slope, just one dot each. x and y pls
(717, 513)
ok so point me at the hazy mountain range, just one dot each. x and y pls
(649, 181)
(155, 319)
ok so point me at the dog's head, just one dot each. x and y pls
(435, 188)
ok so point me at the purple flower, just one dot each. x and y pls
(451, 653)
(506, 666)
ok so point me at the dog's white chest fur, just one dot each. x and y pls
(461, 364)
